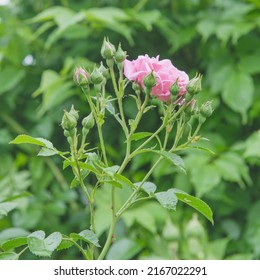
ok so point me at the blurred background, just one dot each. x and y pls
(41, 42)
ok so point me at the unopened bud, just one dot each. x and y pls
(107, 50)
(103, 70)
(74, 113)
(66, 133)
(149, 81)
(206, 109)
(194, 85)
(174, 88)
(81, 77)
(88, 122)
(96, 76)
(120, 55)
(69, 122)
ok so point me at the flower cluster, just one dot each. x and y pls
(158, 77)
(165, 73)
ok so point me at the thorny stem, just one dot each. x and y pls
(99, 126)
(183, 146)
(131, 199)
(78, 246)
(128, 155)
(78, 174)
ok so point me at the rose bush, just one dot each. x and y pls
(95, 172)
(166, 74)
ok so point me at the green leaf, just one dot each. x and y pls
(173, 158)
(146, 18)
(122, 179)
(21, 195)
(9, 78)
(9, 256)
(82, 165)
(61, 15)
(216, 249)
(114, 183)
(6, 207)
(74, 183)
(26, 139)
(196, 203)
(111, 18)
(112, 111)
(206, 28)
(63, 27)
(46, 152)
(110, 108)
(47, 147)
(144, 215)
(10, 233)
(43, 247)
(202, 149)
(87, 236)
(14, 243)
(253, 145)
(238, 92)
(218, 73)
(36, 244)
(148, 187)
(203, 175)
(90, 236)
(53, 241)
(111, 170)
(232, 167)
(49, 79)
(167, 199)
(140, 135)
(55, 95)
(250, 63)
(65, 244)
(123, 249)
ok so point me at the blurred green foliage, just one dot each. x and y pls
(40, 44)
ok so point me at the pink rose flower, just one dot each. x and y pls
(166, 74)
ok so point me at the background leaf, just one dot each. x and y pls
(238, 91)
(9, 256)
(123, 249)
